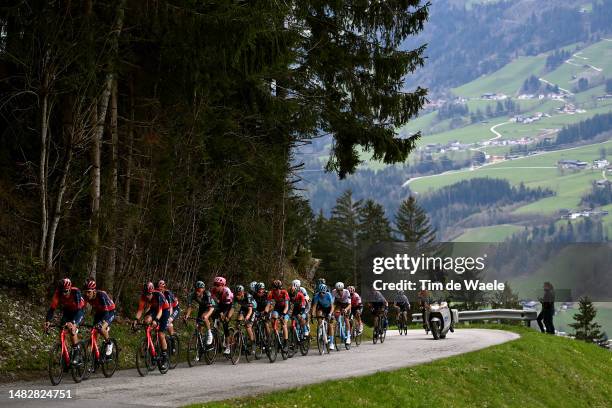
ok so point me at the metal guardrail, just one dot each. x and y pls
(490, 314)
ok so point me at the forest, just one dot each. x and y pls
(154, 139)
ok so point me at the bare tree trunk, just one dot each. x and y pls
(97, 141)
(57, 211)
(109, 279)
(130, 146)
(44, 130)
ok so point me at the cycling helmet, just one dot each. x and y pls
(277, 284)
(219, 280)
(239, 289)
(339, 286)
(322, 287)
(400, 292)
(321, 281)
(351, 289)
(200, 285)
(90, 284)
(148, 288)
(296, 283)
(161, 284)
(259, 286)
(252, 286)
(64, 284)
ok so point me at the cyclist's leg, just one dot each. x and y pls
(163, 326)
(284, 319)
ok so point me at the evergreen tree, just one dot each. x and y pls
(345, 226)
(413, 224)
(586, 328)
(373, 224)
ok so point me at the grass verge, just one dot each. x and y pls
(536, 370)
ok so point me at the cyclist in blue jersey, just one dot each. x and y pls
(321, 307)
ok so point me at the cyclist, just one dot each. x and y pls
(342, 304)
(157, 311)
(379, 307)
(252, 286)
(424, 300)
(71, 301)
(175, 310)
(225, 300)
(298, 284)
(280, 298)
(321, 307)
(402, 305)
(261, 298)
(247, 311)
(104, 311)
(356, 308)
(206, 307)
(298, 303)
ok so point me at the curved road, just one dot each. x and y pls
(222, 380)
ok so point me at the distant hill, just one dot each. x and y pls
(469, 38)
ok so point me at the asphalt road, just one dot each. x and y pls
(220, 381)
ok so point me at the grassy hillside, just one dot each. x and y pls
(507, 80)
(494, 233)
(536, 370)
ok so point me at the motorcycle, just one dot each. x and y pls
(439, 319)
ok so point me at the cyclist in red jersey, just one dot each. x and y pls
(298, 303)
(70, 300)
(157, 312)
(103, 308)
(280, 298)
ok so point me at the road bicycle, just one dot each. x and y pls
(96, 355)
(323, 343)
(149, 354)
(276, 340)
(240, 343)
(197, 349)
(341, 333)
(263, 340)
(380, 330)
(356, 335)
(298, 340)
(402, 323)
(63, 358)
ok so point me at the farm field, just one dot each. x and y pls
(539, 170)
(494, 233)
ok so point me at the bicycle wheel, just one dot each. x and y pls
(194, 350)
(247, 347)
(375, 334)
(143, 359)
(292, 343)
(305, 344)
(174, 350)
(210, 351)
(110, 362)
(78, 363)
(57, 365)
(90, 361)
(284, 349)
(320, 338)
(235, 344)
(271, 350)
(383, 333)
(259, 347)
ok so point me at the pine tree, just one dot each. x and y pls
(586, 328)
(345, 225)
(373, 225)
(413, 224)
